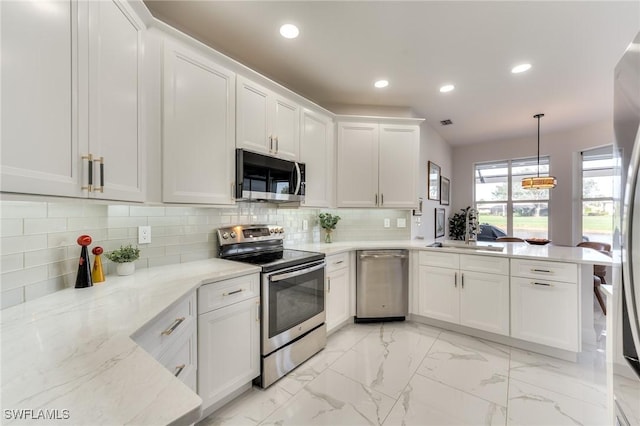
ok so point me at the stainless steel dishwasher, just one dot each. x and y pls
(382, 285)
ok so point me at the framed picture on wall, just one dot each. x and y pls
(433, 183)
(440, 222)
(444, 191)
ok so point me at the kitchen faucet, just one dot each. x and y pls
(468, 237)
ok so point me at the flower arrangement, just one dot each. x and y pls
(124, 254)
(328, 222)
(457, 224)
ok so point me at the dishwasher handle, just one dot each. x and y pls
(383, 256)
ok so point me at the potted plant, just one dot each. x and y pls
(458, 221)
(328, 222)
(124, 258)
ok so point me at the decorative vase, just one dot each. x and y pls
(127, 268)
(327, 235)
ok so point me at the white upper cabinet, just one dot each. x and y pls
(316, 152)
(115, 62)
(398, 165)
(377, 164)
(357, 163)
(198, 129)
(266, 122)
(39, 92)
(70, 91)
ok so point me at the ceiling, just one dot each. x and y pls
(344, 46)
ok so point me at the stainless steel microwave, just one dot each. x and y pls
(263, 178)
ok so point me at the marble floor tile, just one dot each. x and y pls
(386, 360)
(471, 365)
(310, 369)
(332, 399)
(585, 380)
(250, 408)
(533, 405)
(426, 402)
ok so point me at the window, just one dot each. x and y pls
(597, 194)
(502, 202)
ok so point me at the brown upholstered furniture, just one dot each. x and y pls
(599, 272)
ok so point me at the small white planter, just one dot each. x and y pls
(126, 268)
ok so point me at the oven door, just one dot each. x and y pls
(292, 304)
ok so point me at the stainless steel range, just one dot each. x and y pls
(292, 296)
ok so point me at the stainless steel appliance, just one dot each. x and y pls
(382, 283)
(626, 378)
(263, 178)
(292, 296)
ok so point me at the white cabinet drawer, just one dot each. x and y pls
(181, 360)
(223, 293)
(555, 271)
(337, 261)
(156, 336)
(492, 265)
(440, 260)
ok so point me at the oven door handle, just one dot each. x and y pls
(280, 277)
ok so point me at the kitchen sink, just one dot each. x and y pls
(470, 246)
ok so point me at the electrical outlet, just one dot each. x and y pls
(144, 234)
(305, 225)
(387, 223)
(401, 222)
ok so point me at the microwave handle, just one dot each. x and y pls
(299, 179)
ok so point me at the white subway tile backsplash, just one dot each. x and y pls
(40, 253)
(11, 227)
(11, 297)
(45, 225)
(21, 209)
(23, 243)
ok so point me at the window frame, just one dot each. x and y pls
(584, 199)
(510, 201)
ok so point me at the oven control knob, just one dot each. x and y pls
(280, 230)
(225, 235)
(233, 234)
(272, 230)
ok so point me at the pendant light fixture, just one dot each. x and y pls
(544, 182)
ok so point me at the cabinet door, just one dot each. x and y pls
(337, 301)
(252, 125)
(286, 128)
(228, 350)
(115, 53)
(484, 301)
(398, 169)
(316, 151)
(199, 133)
(357, 184)
(438, 294)
(40, 152)
(545, 312)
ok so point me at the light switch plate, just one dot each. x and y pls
(305, 225)
(144, 234)
(387, 223)
(401, 222)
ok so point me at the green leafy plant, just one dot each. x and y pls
(124, 254)
(458, 221)
(328, 221)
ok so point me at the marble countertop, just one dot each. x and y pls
(514, 250)
(72, 350)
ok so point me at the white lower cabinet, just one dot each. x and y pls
(228, 342)
(460, 294)
(338, 290)
(542, 310)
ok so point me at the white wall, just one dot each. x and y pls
(432, 148)
(562, 148)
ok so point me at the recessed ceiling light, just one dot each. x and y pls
(520, 68)
(289, 31)
(447, 88)
(381, 83)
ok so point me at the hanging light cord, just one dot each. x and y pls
(538, 116)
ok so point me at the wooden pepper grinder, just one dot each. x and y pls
(98, 273)
(83, 279)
